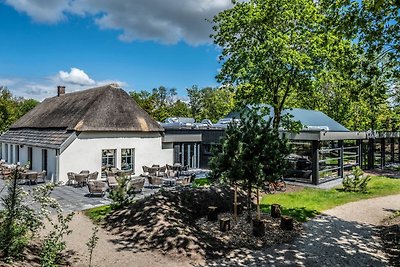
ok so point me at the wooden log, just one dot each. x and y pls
(286, 223)
(276, 211)
(224, 224)
(212, 213)
(258, 228)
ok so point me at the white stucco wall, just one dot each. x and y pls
(85, 152)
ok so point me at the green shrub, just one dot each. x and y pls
(121, 195)
(17, 221)
(356, 181)
(54, 244)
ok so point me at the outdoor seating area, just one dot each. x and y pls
(27, 176)
(81, 179)
(168, 175)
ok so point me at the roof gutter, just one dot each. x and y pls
(67, 142)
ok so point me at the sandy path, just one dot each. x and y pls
(369, 211)
(107, 253)
(343, 236)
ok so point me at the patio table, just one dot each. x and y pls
(169, 181)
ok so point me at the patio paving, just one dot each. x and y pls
(77, 198)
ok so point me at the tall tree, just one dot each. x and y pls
(272, 50)
(252, 152)
(12, 108)
(210, 103)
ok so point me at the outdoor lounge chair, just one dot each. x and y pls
(97, 188)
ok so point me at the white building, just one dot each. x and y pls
(86, 130)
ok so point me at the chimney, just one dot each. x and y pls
(60, 90)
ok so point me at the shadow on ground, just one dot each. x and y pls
(327, 241)
(166, 222)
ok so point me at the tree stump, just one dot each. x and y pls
(286, 223)
(276, 211)
(258, 228)
(224, 224)
(212, 214)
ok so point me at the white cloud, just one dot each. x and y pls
(41, 10)
(75, 76)
(41, 88)
(158, 20)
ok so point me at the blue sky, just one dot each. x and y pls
(140, 44)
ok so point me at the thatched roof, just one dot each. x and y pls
(105, 108)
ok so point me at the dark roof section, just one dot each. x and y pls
(50, 138)
(311, 118)
(105, 108)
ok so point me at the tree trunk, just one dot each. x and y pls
(258, 205)
(249, 202)
(235, 211)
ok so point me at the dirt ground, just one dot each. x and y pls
(107, 253)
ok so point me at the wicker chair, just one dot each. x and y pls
(185, 181)
(137, 184)
(97, 188)
(42, 176)
(112, 181)
(81, 179)
(71, 178)
(93, 176)
(32, 177)
(155, 181)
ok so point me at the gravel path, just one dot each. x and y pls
(343, 236)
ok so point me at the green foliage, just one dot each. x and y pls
(12, 108)
(356, 182)
(54, 244)
(92, 243)
(252, 152)
(201, 182)
(273, 50)
(121, 195)
(99, 213)
(210, 103)
(17, 221)
(318, 200)
(161, 103)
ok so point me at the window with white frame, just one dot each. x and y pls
(108, 158)
(128, 159)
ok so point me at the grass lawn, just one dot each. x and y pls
(98, 214)
(309, 202)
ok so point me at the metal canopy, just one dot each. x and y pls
(325, 135)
